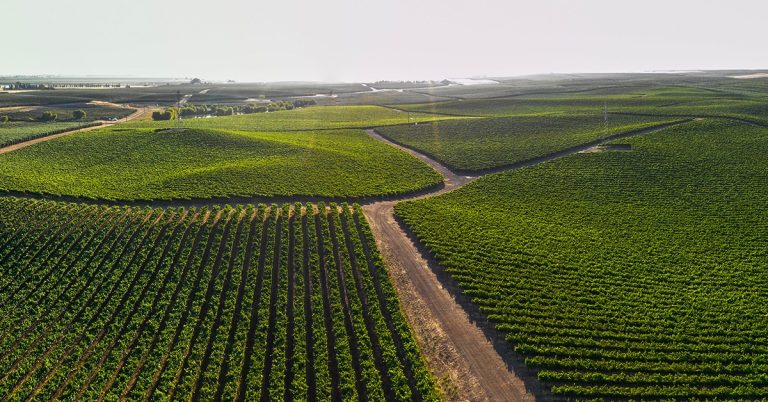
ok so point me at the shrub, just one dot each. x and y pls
(48, 116)
(167, 114)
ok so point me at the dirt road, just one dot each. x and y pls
(461, 346)
(465, 356)
(471, 359)
(138, 114)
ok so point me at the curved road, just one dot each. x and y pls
(461, 344)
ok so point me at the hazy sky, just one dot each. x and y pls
(359, 40)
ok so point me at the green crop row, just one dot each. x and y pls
(235, 303)
(14, 133)
(310, 118)
(477, 144)
(637, 275)
(145, 164)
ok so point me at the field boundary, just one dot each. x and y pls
(140, 112)
(483, 363)
(550, 156)
(472, 353)
(697, 116)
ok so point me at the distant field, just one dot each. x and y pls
(637, 270)
(278, 90)
(478, 144)
(622, 275)
(662, 101)
(310, 118)
(145, 164)
(234, 303)
(167, 94)
(15, 132)
(64, 112)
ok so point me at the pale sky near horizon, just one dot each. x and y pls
(348, 40)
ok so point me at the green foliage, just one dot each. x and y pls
(193, 163)
(167, 114)
(199, 304)
(79, 114)
(636, 275)
(63, 112)
(312, 118)
(15, 132)
(48, 116)
(4, 119)
(477, 144)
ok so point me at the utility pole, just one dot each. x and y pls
(178, 108)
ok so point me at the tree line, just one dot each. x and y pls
(191, 110)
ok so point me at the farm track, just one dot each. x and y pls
(138, 114)
(473, 344)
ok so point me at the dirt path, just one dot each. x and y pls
(462, 347)
(457, 349)
(471, 358)
(138, 114)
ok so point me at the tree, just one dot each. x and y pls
(225, 111)
(196, 81)
(167, 114)
(4, 119)
(79, 114)
(48, 116)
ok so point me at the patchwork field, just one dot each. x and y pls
(477, 144)
(634, 270)
(64, 113)
(622, 274)
(14, 132)
(310, 118)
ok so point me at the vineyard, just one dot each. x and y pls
(13, 132)
(566, 237)
(310, 118)
(64, 113)
(146, 164)
(739, 101)
(477, 144)
(286, 302)
(622, 275)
